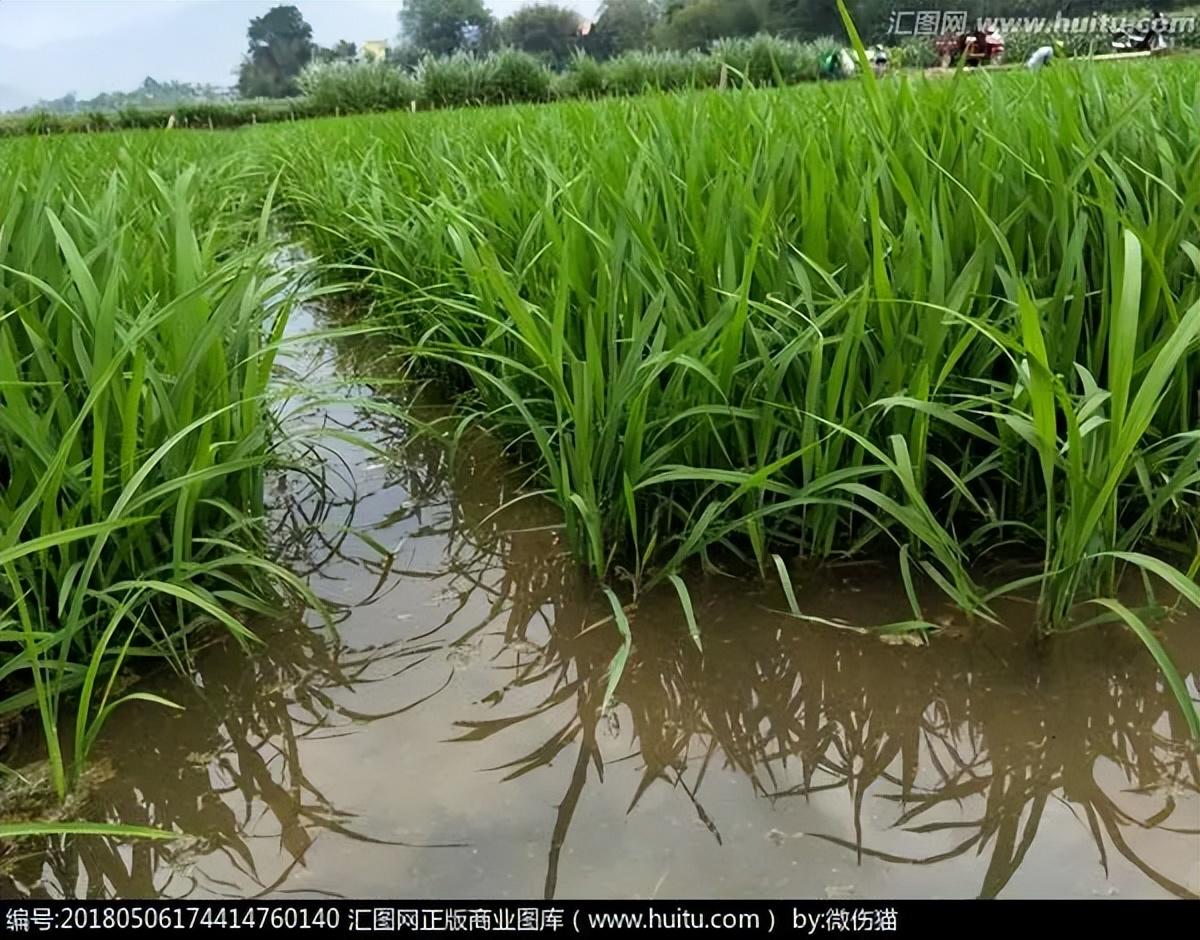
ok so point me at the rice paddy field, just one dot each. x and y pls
(762, 491)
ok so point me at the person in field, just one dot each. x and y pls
(837, 63)
(1041, 56)
(879, 59)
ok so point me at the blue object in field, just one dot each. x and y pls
(1040, 57)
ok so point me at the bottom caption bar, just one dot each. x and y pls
(798, 918)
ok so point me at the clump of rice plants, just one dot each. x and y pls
(766, 60)
(582, 78)
(917, 53)
(139, 316)
(517, 76)
(954, 321)
(635, 73)
(958, 318)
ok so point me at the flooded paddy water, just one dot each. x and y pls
(446, 739)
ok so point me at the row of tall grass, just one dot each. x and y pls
(140, 311)
(825, 321)
(202, 115)
(511, 76)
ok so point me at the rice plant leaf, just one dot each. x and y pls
(786, 582)
(10, 830)
(616, 668)
(685, 601)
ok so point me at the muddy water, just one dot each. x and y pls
(444, 739)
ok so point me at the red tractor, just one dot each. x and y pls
(978, 47)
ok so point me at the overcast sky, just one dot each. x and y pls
(51, 47)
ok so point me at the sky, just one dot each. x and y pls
(51, 47)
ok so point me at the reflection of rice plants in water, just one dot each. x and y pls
(957, 737)
(237, 753)
(943, 735)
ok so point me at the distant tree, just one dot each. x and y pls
(622, 25)
(695, 24)
(873, 17)
(280, 45)
(803, 19)
(446, 26)
(544, 30)
(808, 19)
(342, 52)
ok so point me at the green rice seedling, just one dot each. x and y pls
(949, 321)
(137, 334)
